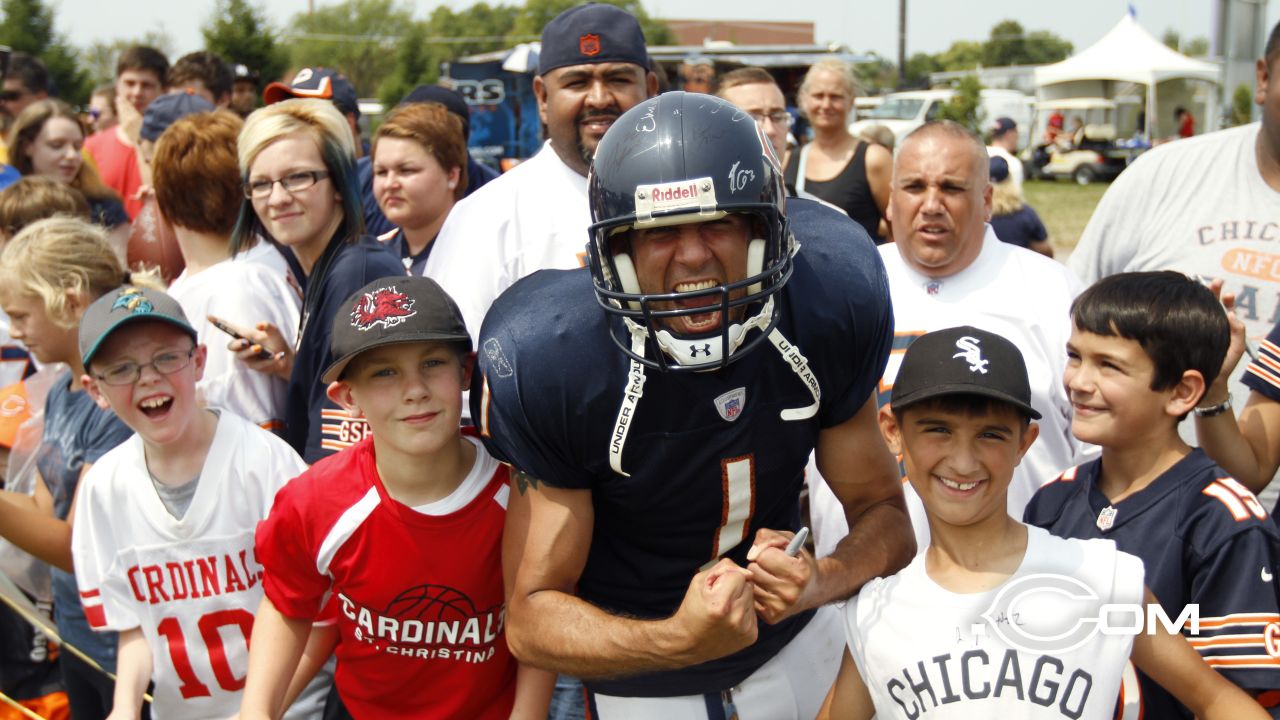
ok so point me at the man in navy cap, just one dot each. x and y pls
(593, 67)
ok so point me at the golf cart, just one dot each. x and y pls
(1082, 143)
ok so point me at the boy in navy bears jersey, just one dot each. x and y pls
(977, 626)
(398, 538)
(661, 425)
(1142, 348)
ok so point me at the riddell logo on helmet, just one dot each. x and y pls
(674, 194)
(695, 193)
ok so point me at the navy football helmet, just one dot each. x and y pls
(687, 158)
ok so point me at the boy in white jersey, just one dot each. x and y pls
(164, 523)
(995, 618)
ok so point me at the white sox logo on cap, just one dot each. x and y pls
(971, 354)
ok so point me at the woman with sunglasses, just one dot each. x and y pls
(47, 139)
(302, 194)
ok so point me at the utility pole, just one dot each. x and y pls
(902, 44)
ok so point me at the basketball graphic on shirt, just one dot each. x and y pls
(432, 602)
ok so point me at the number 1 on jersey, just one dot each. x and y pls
(738, 482)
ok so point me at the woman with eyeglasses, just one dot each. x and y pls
(47, 139)
(419, 172)
(302, 194)
(837, 167)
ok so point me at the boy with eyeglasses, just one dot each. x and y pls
(164, 523)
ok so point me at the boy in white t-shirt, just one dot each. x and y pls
(164, 523)
(996, 618)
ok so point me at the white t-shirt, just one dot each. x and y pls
(533, 217)
(250, 288)
(192, 585)
(1199, 206)
(1013, 292)
(1015, 165)
(924, 651)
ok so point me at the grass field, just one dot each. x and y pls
(1065, 208)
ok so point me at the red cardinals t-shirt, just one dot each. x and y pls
(416, 592)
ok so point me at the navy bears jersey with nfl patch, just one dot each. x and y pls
(1204, 539)
(706, 458)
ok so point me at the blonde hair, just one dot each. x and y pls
(1006, 198)
(58, 257)
(839, 68)
(318, 118)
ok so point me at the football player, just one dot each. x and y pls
(659, 410)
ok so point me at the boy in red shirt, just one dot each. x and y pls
(398, 539)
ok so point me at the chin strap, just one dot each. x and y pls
(799, 364)
(630, 398)
(791, 355)
(708, 351)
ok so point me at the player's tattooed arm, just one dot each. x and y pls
(524, 481)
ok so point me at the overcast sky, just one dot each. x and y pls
(932, 25)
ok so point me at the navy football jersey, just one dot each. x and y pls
(1204, 539)
(707, 458)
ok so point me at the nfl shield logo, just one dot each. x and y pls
(589, 44)
(1106, 518)
(730, 404)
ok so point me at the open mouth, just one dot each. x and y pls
(958, 486)
(156, 405)
(697, 322)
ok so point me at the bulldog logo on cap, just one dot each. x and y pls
(589, 44)
(385, 306)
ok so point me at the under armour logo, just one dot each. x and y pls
(971, 354)
(706, 350)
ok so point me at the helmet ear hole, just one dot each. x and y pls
(627, 276)
(755, 262)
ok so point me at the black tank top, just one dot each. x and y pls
(848, 191)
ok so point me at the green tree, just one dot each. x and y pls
(415, 65)
(537, 13)
(240, 33)
(1006, 46)
(919, 66)
(28, 27)
(962, 55)
(356, 37)
(1043, 47)
(1196, 47)
(446, 35)
(99, 59)
(963, 108)
(1242, 105)
(875, 75)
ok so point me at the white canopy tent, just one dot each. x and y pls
(1126, 54)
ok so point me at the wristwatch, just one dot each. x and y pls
(1214, 410)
